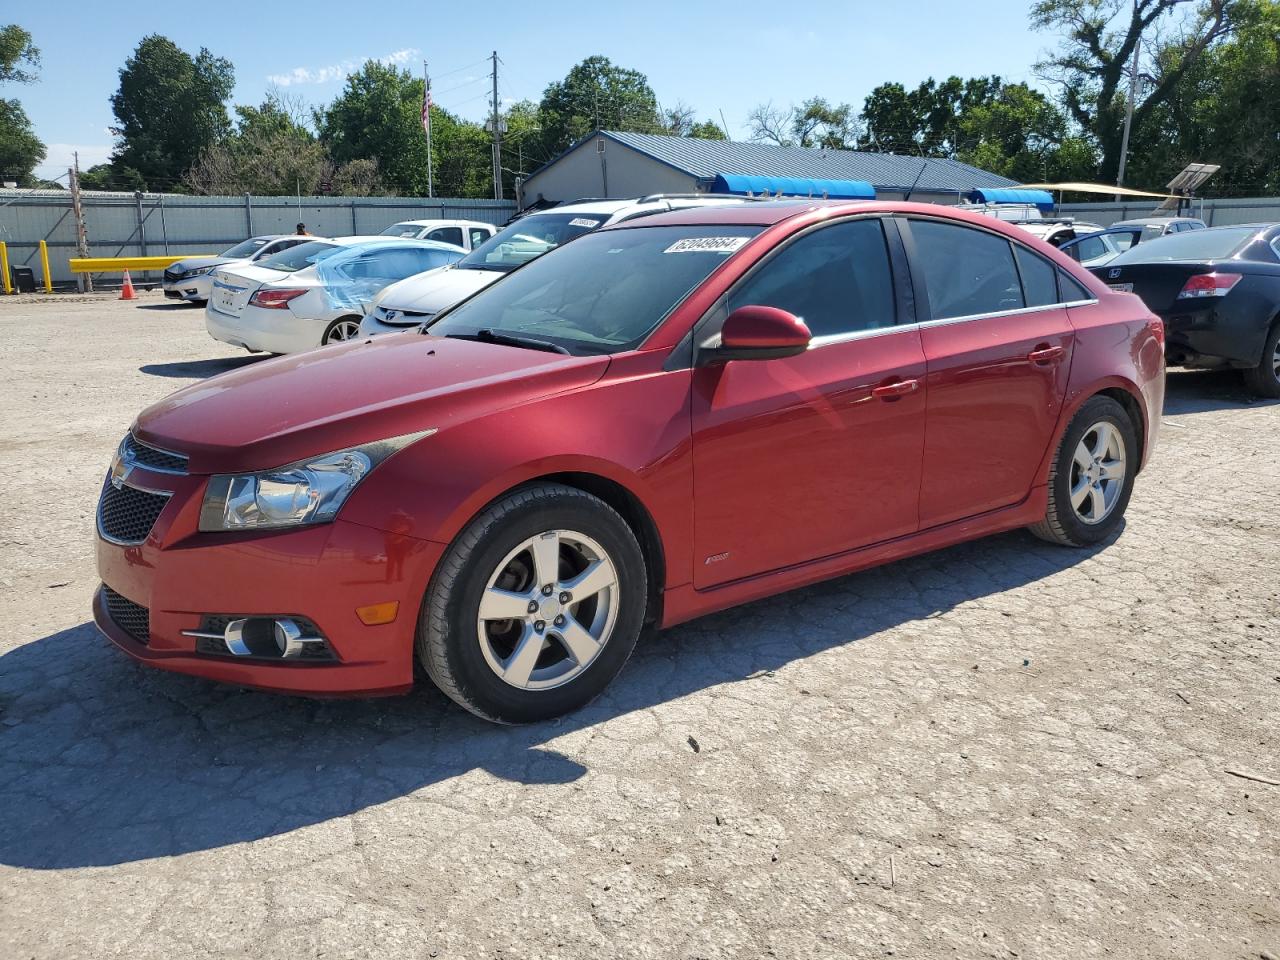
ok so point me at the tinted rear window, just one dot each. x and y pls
(1192, 245)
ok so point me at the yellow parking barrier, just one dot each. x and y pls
(4, 266)
(44, 263)
(120, 264)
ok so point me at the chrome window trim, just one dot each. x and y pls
(818, 342)
(167, 494)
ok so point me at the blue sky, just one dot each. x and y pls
(721, 56)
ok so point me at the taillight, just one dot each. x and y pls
(274, 299)
(1209, 285)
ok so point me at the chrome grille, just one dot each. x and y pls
(126, 515)
(171, 274)
(133, 618)
(153, 458)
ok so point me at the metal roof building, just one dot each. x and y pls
(610, 163)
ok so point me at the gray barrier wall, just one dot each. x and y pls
(126, 224)
(1216, 213)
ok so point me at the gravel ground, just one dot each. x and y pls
(1003, 749)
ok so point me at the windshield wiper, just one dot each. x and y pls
(510, 340)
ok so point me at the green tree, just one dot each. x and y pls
(20, 149)
(19, 56)
(707, 130)
(1092, 63)
(378, 117)
(1018, 133)
(814, 123)
(170, 107)
(596, 94)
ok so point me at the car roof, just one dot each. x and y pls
(448, 223)
(383, 241)
(1154, 221)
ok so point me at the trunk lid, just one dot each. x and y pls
(1158, 284)
(232, 288)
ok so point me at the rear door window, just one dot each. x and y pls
(447, 235)
(1039, 280)
(967, 272)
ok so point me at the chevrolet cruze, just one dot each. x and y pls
(659, 420)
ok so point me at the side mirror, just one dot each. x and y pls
(759, 333)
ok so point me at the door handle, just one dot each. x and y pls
(892, 391)
(1046, 354)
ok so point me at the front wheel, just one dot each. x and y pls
(1092, 476)
(535, 607)
(1264, 379)
(341, 330)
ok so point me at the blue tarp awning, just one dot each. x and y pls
(793, 187)
(1041, 198)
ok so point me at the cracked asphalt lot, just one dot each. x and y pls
(1003, 749)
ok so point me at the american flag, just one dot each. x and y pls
(426, 106)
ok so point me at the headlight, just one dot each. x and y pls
(309, 491)
(198, 272)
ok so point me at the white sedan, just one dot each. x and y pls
(191, 278)
(315, 293)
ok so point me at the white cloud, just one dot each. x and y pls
(336, 71)
(62, 155)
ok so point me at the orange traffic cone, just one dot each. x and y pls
(127, 291)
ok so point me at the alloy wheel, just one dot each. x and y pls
(548, 610)
(343, 330)
(1097, 472)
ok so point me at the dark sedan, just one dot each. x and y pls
(1218, 292)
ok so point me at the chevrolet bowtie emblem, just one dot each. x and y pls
(120, 472)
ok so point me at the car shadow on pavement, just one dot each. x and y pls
(170, 305)
(1204, 391)
(105, 762)
(193, 369)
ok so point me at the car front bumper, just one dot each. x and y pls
(371, 326)
(193, 288)
(321, 573)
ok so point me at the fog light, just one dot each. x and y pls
(377, 613)
(264, 638)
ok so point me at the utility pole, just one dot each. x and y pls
(77, 211)
(1128, 109)
(497, 125)
(426, 124)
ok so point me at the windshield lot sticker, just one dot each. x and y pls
(707, 245)
(583, 222)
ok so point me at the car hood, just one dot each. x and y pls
(195, 263)
(434, 290)
(277, 411)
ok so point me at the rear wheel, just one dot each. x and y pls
(535, 607)
(1092, 476)
(341, 330)
(1264, 379)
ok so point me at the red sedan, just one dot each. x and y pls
(657, 421)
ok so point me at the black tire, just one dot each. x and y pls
(1264, 379)
(447, 643)
(1061, 523)
(332, 328)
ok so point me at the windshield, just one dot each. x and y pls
(245, 248)
(303, 255)
(528, 238)
(1216, 244)
(603, 293)
(402, 230)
